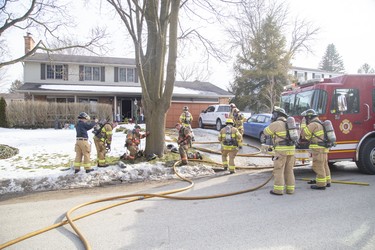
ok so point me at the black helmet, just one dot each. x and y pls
(278, 112)
(310, 113)
(83, 115)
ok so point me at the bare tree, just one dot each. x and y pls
(261, 33)
(44, 16)
(366, 69)
(193, 72)
(153, 27)
(249, 18)
(15, 85)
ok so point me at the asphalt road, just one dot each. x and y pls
(341, 217)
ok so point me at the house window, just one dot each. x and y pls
(126, 74)
(92, 73)
(317, 76)
(55, 71)
(92, 101)
(60, 99)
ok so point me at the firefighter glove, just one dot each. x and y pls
(108, 147)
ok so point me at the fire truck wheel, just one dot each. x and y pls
(366, 159)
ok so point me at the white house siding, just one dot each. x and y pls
(304, 74)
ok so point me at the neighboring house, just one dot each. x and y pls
(110, 80)
(305, 74)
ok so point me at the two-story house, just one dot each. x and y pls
(304, 74)
(110, 80)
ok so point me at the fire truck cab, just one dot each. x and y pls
(348, 101)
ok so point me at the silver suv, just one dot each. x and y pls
(214, 115)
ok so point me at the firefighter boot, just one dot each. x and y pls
(272, 192)
(317, 187)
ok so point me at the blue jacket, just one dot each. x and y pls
(82, 127)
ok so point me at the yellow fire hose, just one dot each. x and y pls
(343, 182)
(136, 197)
(166, 194)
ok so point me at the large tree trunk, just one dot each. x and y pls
(155, 123)
(161, 19)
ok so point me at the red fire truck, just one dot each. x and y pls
(348, 101)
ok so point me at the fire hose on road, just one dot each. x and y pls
(141, 196)
(130, 198)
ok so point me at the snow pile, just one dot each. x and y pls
(46, 156)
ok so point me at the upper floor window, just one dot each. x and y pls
(54, 71)
(91, 73)
(125, 75)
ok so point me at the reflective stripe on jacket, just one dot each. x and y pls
(314, 133)
(277, 130)
(235, 135)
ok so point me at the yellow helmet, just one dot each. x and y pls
(228, 121)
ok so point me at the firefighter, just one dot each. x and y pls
(103, 139)
(229, 137)
(184, 143)
(186, 119)
(313, 131)
(238, 119)
(82, 147)
(133, 139)
(232, 107)
(284, 149)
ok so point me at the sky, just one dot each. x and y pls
(345, 23)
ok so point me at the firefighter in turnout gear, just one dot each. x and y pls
(313, 131)
(184, 143)
(284, 148)
(103, 139)
(186, 119)
(82, 146)
(133, 139)
(238, 119)
(232, 107)
(230, 138)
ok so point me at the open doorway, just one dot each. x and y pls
(126, 109)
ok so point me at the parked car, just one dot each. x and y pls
(255, 125)
(214, 115)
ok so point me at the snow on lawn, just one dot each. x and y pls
(46, 156)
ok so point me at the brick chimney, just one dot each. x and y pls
(29, 42)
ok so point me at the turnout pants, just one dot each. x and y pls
(283, 173)
(320, 167)
(231, 154)
(101, 151)
(183, 149)
(82, 149)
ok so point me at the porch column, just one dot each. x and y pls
(115, 108)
